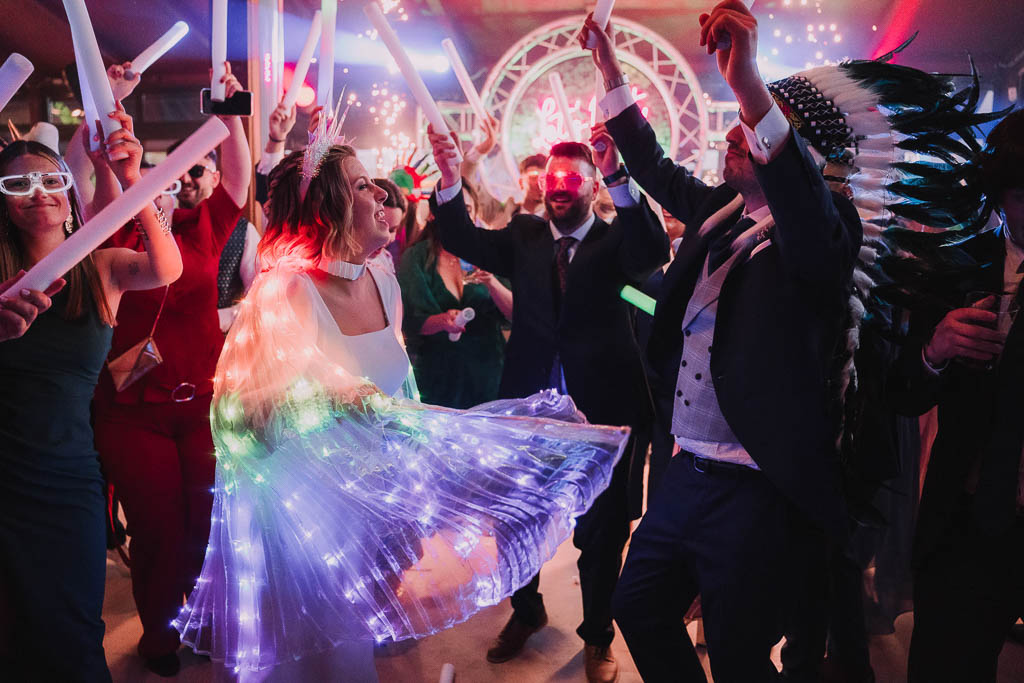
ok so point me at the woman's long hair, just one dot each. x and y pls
(303, 227)
(83, 280)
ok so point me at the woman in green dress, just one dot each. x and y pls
(435, 288)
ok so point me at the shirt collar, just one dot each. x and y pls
(579, 233)
(758, 215)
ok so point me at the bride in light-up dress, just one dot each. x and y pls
(346, 513)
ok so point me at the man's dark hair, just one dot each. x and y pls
(532, 161)
(396, 198)
(574, 150)
(1003, 163)
(211, 155)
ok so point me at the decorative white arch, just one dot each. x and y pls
(554, 43)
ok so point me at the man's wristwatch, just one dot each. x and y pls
(615, 177)
(613, 83)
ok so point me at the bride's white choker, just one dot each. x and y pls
(343, 269)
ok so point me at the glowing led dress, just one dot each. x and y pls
(346, 512)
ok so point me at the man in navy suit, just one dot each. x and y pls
(571, 331)
(756, 299)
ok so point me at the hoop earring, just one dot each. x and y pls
(69, 224)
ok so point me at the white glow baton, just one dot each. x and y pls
(88, 50)
(461, 318)
(116, 214)
(602, 13)
(302, 66)
(157, 49)
(218, 48)
(563, 102)
(447, 673)
(88, 106)
(472, 96)
(325, 66)
(13, 74)
(412, 76)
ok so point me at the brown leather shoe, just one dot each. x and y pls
(601, 667)
(513, 637)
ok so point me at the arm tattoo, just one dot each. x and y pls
(133, 268)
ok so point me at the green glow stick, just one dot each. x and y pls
(639, 299)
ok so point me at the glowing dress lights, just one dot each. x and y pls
(342, 513)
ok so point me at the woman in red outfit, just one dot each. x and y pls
(154, 436)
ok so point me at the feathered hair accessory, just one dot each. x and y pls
(904, 144)
(327, 134)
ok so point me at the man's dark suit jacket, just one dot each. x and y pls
(981, 415)
(780, 314)
(589, 327)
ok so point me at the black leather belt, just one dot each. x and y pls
(707, 465)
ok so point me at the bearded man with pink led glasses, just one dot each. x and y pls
(571, 332)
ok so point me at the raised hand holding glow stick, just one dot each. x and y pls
(108, 221)
(88, 51)
(13, 74)
(157, 49)
(325, 66)
(555, 79)
(409, 72)
(725, 42)
(302, 66)
(472, 96)
(218, 48)
(602, 13)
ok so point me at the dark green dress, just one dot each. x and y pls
(52, 509)
(458, 374)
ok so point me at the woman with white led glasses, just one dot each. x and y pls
(53, 536)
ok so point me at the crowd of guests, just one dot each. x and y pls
(726, 387)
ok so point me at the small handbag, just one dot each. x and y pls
(127, 368)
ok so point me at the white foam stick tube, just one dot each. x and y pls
(472, 96)
(447, 673)
(88, 106)
(409, 72)
(325, 65)
(555, 79)
(121, 210)
(463, 317)
(157, 49)
(602, 13)
(88, 51)
(302, 66)
(218, 48)
(726, 41)
(13, 74)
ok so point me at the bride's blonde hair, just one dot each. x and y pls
(304, 227)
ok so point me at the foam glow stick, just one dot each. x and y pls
(302, 66)
(218, 48)
(88, 106)
(447, 673)
(563, 102)
(602, 13)
(409, 72)
(325, 66)
(642, 301)
(88, 52)
(13, 74)
(472, 96)
(157, 49)
(121, 210)
(463, 317)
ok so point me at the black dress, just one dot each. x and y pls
(52, 531)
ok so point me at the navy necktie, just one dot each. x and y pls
(562, 260)
(721, 248)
